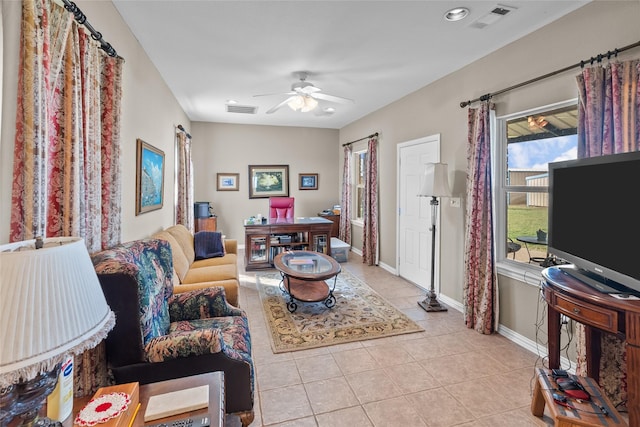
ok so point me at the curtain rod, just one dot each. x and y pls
(82, 20)
(182, 129)
(358, 140)
(580, 64)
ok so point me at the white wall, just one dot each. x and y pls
(149, 112)
(229, 148)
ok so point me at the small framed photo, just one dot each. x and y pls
(268, 181)
(308, 181)
(149, 177)
(227, 181)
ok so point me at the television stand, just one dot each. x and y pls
(599, 312)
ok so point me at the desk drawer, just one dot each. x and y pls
(586, 313)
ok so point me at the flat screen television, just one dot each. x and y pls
(594, 220)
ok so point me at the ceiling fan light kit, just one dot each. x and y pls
(304, 97)
(302, 103)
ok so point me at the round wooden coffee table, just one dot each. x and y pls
(303, 277)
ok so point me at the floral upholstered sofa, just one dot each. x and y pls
(160, 335)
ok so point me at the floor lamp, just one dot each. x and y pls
(435, 184)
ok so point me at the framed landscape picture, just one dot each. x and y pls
(227, 181)
(268, 181)
(308, 181)
(149, 177)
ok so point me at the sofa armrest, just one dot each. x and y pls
(231, 246)
(201, 304)
(184, 342)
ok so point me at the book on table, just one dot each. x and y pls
(176, 402)
(301, 261)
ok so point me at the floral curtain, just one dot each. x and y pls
(608, 123)
(345, 213)
(184, 205)
(66, 179)
(480, 283)
(370, 230)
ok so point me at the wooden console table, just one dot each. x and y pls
(599, 312)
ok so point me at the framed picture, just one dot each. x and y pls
(149, 177)
(268, 181)
(227, 181)
(308, 181)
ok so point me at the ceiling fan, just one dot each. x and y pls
(304, 96)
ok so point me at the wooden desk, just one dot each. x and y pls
(599, 312)
(264, 241)
(215, 380)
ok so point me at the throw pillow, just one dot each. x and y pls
(208, 244)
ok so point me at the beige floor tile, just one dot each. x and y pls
(393, 412)
(300, 422)
(373, 385)
(511, 356)
(438, 408)
(310, 352)
(276, 375)
(411, 377)
(330, 395)
(479, 398)
(348, 417)
(357, 360)
(457, 368)
(263, 355)
(284, 404)
(387, 355)
(318, 368)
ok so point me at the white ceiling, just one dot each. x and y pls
(374, 52)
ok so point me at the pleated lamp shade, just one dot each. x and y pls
(52, 306)
(435, 182)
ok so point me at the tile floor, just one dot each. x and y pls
(447, 375)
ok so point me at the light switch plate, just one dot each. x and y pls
(454, 202)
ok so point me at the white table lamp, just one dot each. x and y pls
(52, 306)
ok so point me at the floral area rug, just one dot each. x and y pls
(359, 314)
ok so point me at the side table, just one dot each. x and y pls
(215, 381)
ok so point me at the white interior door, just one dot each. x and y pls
(414, 213)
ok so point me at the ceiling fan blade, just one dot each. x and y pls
(280, 105)
(331, 98)
(279, 93)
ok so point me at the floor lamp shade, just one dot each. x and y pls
(435, 182)
(52, 306)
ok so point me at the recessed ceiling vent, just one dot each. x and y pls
(243, 109)
(497, 13)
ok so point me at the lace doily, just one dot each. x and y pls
(103, 408)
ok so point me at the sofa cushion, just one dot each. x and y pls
(185, 239)
(210, 274)
(227, 259)
(180, 262)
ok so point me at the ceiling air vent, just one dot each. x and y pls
(243, 109)
(497, 13)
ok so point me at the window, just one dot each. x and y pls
(360, 172)
(526, 143)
